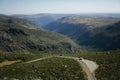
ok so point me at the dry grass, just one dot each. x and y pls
(6, 62)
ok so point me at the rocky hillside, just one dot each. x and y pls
(18, 34)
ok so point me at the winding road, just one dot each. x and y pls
(82, 62)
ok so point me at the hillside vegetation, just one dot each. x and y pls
(49, 69)
(108, 66)
(18, 34)
(109, 63)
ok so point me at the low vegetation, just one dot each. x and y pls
(49, 69)
(109, 63)
(53, 68)
(109, 66)
(12, 56)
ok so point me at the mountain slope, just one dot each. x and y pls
(18, 34)
(88, 31)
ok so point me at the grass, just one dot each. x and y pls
(109, 66)
(10, 56)
(49, 69)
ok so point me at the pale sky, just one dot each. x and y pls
(59, 6)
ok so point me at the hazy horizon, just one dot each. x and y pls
(59, 6)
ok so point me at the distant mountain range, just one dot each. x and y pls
(19, 34)
(41, 19)
(45, 18)
(101, 32)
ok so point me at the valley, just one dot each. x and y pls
(88, 31)
(66, 48)
(59, 39)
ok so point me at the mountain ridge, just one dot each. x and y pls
(44, 19)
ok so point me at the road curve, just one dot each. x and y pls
(82, 63)
(87, 70)
(85, 67)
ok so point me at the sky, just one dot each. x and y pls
(59, 6)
